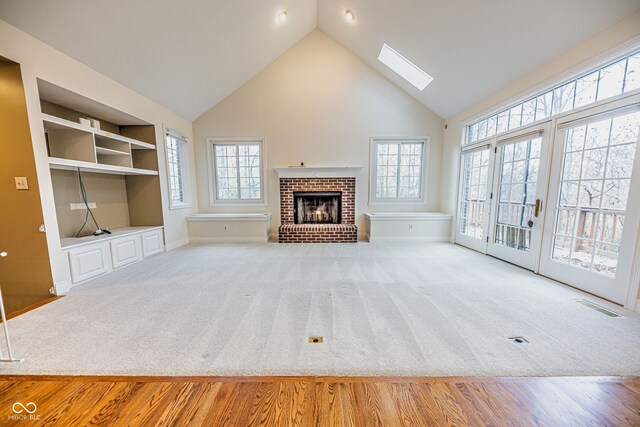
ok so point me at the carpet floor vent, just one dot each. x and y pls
(598, 308)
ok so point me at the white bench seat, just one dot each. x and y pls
(229, 227)
(407, 226)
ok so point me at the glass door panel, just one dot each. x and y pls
(518, 198)
(597, 168)
(474, 200)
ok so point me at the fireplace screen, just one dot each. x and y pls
(317, 207)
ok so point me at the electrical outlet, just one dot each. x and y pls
(21, 183)
(81, 206)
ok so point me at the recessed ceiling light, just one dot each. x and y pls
(405, 68)
(350, 16)
(282, 16)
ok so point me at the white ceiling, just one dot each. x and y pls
(189, 55)
(471, 47)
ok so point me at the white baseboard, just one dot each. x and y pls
(175, 245)
(62, 288)
(264, 239)
(418, 239)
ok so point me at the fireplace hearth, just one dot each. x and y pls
(316, 207)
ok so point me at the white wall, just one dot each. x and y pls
(38, 60)
(572, 60)
(318, 104)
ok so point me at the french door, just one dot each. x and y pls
(474, 200)
(518, 196)
(591, 229)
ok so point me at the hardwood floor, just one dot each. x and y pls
(325, 401)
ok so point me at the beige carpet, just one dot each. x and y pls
(388, 309)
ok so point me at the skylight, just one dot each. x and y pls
(405, 68)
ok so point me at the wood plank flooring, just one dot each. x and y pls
(321, 401)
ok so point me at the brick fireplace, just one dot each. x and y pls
(317, 210)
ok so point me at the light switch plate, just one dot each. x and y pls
(21, 183)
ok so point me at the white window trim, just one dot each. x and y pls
(426, 149)
(186, 174)
(595, 63)
(213, 199)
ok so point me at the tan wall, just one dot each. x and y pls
(109, 192)
(25, 275)
(318, 104)
(39, 60)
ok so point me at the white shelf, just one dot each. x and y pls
(135, 144)
(67, 164)
(72, 242)
(109, 152)
(59, 123)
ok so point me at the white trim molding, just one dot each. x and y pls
(221, 217)
(425, 140)
(213, 200)
(175, 245)
(319, 172)
(62, 288)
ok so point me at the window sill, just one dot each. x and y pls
(403, 202)
(180, 206)
(237, 204)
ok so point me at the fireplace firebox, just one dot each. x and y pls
(315, 207)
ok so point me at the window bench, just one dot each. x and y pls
(402, 227)
(229, 228)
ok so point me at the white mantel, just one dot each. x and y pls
(319, 172)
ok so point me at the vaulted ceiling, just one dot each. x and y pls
(189, 55)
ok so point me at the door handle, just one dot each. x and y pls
(536, 213)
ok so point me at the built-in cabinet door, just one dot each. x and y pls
(126, 250)
(89, 262)
(152, 243)
(518, 196)
(592, 227)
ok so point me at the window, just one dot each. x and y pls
(475, 172)
(405, 68)
(177, 165)
(237, 172)
(597, 165)
(398, 169)
(621, 76)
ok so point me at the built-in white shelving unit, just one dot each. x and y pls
(74, 145)
(118, 161)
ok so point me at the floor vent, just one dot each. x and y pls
(598, 308)
(519, 340)
(315, 340)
